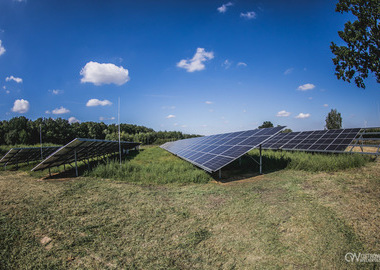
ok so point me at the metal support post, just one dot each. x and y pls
(220, 173)
(239, 161)
(76, 165)
(261, 161)
(49, 172)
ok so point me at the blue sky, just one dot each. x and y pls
(195, 66)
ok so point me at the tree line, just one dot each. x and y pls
(21, 130)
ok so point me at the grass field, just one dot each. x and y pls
(289, 218)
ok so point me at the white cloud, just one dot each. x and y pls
(227, 64)
(72, 119)
(21, 106)
(11, 78)
(223, 8)
(47, 112)
(203, 125)
(303, 115)
(288, 71)
(325, 105)
(96, 102)
(168, 107)
(209, 102)
(170, 116)
(197, 62)
(305, 87)
(183, 126)
(175, 124)
(241, 64)
(283, 114)
(310, 98)
(56, 91)
(2, 49)
(105, 73)
(7, 91)
(60, 110)
(248, 15)
(101, 118)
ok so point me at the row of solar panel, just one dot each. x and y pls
(22, 155)
(76, 150)
(216, 151)
(320, 140)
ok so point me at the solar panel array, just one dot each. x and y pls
(81, 149)
(22, 155)
(333, 140)
(214, 152)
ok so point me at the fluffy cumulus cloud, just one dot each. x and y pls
(106, 73)
(305, 87)
(96, 102)
(72, 119)
(60, 110)
(12, 78)
(248, 15)
(2, 49)
(170, 116)
(209, 102)
(283, 114)
(21, 106)
(223, 8)
(197, 62)
(303, 115)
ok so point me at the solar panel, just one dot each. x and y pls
(333, 140)
(211, 153)
(22, 155)
(81, 149)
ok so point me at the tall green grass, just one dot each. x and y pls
(312, 162)
(151, 166)
(157, 166)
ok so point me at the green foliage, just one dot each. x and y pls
(333, 120)
(266, 124)
(20, 130)
(362, 53)
(151, 166)
(275, 160)
(287, 130)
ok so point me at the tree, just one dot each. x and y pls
(333, 120)
(362, 53)
(266, 124)
(287, 130)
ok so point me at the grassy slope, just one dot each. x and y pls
(286, 218)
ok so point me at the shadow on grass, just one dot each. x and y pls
(246, 167)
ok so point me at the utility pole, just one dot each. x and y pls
(119, 131)
(41, 141)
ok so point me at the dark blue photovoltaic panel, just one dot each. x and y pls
(29, 154)
(216, 151)
(335, 140)
(82, 149)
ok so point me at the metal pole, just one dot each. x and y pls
(49, 172)
(76, 166)
(261, 161)
(119, 131)
(220, 173)
(41, 142)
